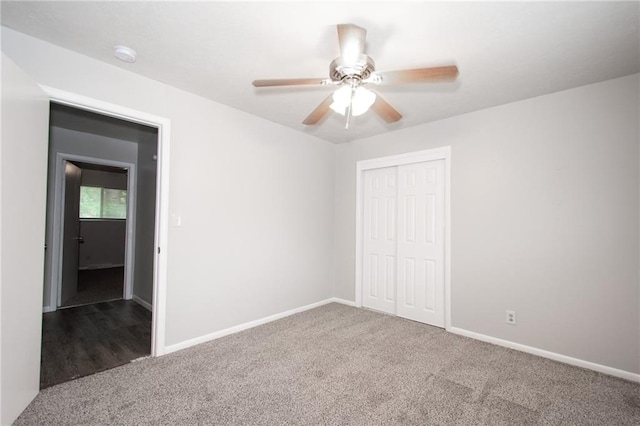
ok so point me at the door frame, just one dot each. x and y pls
(158, 321)
(441, 153)
(57, 240)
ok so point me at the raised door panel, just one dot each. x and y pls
(379, 239)
(420, 246)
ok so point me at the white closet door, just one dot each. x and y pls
(380, 249)
(421, 242)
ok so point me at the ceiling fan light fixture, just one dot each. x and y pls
(353, 69)
(362, 100)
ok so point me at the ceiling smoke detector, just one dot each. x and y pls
(125, 53)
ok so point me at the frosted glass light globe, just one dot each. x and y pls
(362, 100)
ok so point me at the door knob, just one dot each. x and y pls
(80, 240)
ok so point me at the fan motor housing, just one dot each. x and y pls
(361, 69)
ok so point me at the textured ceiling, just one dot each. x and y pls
(505, 51)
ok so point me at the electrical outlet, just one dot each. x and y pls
(511, 317)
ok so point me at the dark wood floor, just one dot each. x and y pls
(98, 285)
(87, 339)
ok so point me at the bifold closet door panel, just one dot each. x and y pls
(420, 242)
(379, 239)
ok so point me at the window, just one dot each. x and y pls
(102, 203)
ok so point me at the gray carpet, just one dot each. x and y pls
(346, 366)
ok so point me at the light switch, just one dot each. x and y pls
(176, 220)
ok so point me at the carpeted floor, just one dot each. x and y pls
(341, 365)
(98, 285)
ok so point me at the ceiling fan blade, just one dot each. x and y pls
(418, 75)
(351, 38)
(291, 82)
(319, 112)
(385, 111)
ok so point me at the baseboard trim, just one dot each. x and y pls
(627, 375)
(343, 301)
(142, 303)
(242, 327)
(46, 309)
(101, 266)
(547, 354)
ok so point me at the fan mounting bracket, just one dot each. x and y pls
(359, 70)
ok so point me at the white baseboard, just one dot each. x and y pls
(46, 309)
(343, 301)
(242, 327)
(634, 377)
(101, 266)
(142, 303)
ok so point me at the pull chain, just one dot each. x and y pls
(353, 92)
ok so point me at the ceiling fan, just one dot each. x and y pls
(352, 70)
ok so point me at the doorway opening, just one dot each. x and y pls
(100, 262)
(96, 224)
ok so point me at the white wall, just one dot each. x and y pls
(255, 198)
(103, 179)
(104, 242)
(22, 197)
(544, 198)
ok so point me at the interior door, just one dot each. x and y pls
(71, 232)
(379, 250)
(23, 177)
(421, 242)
